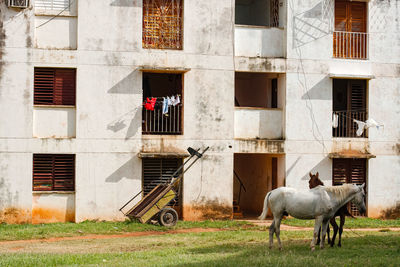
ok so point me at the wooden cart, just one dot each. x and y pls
(155, 204)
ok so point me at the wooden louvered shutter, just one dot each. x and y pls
(358, 13)
(42, 172)
(43, 86)
(54, 86)
(64, 87)
(64, 172)
(158, 171)
(341, 16)
(357, 104)
(349, 171)
(53, 172)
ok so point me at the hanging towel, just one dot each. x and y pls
(150, 103)
(365, 125)
(361, 126)
(335, 120)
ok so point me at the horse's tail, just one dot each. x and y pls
(265, 208)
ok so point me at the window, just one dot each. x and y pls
(53, 172)
(54, 86)
(158, 171)
(257, 90)
(349, 104)
(61, 5)
(162, 24)
(159, 86)
(350, 39)
(257, 12)
(351, 171)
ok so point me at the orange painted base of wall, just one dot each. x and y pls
(45, 215)
(206, 212)
(15, 216)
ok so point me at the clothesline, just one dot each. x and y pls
(167, 101)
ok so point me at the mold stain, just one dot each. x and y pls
(2, 40)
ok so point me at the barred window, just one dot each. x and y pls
(53, 172)
(162, 24)
(54, 86)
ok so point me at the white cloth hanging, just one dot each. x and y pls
(335, 120)
(365, 125)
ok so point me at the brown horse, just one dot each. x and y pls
(342, 212)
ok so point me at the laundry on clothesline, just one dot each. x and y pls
(335, 120)
(150, 103)
(365, 125)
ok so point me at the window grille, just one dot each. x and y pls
(54, 86)
(162, 24)
(53, 4)
(53, 172)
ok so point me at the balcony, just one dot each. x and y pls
(350, 45)
(259, 41)
(346, 126)
(155, 122)
(258, 123)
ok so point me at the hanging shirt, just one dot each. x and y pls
(150, 103)
(175, 100)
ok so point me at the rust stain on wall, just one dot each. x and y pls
(13, 215)
(206, 211)
(51, 215)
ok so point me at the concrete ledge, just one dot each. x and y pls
(351, 76)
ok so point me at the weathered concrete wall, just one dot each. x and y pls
(53, 207)
(54, 122)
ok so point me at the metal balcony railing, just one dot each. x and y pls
(346, 126)
(154, 122)
(351, 45)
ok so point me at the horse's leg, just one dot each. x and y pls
(278, 229)
(318, 238)
(342, 220)
(271, 233)
(317, 225)
(335, 230)
(328, 232)
(324, 227)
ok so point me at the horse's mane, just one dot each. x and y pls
(340, 191)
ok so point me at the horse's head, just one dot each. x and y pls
(314, 180)
(359, 199)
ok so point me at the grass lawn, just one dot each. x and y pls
(239, 247)
(350, 222)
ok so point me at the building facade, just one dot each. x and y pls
(277, 89)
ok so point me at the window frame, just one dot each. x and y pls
(39, 168)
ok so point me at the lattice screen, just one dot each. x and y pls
(163, 24)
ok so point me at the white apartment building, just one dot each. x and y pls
(276, 88)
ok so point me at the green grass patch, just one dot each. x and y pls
(38, 231)
(241, 247)
(350, 222)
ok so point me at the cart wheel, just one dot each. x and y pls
(168, 217)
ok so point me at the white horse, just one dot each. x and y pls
(320, 203)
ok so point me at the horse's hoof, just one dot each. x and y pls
(270, 247)
(280, 248)
(339, 245)
(312, 249)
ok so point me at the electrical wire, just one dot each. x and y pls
(55, 16)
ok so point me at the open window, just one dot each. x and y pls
(256, 90)
(257, 12)
(349, 106)
(162, 103)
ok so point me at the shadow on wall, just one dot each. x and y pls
(313, 24)
(133, 118)
(126, 3)
(324, 175)
(125, 171)
(126, 85)
(319, 90)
